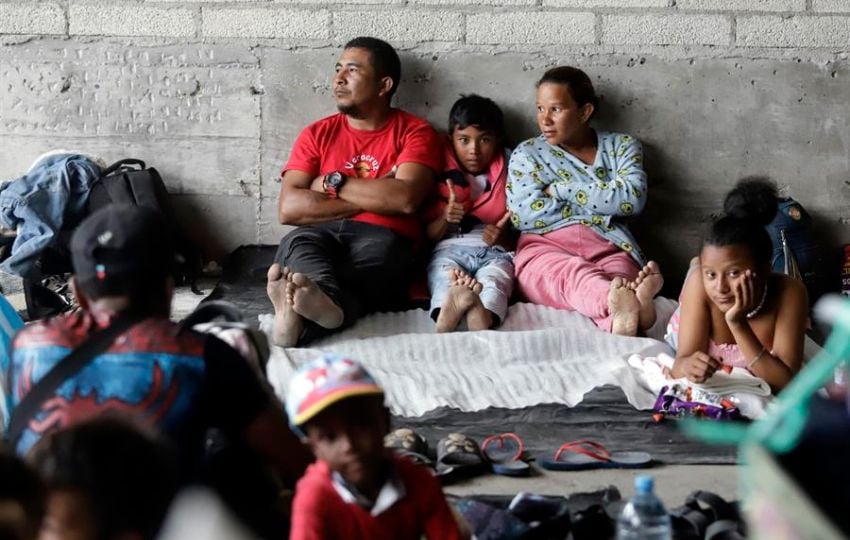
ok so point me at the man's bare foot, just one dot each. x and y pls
(309, 301)
(287, 324)
(458, 301)
(647, 285)
(624, 308)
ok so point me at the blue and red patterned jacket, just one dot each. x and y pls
(180, 382)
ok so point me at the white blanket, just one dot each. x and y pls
(539, 355)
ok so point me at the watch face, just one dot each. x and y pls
(332, 183)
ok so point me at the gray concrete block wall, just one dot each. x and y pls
(214, 92)
(666, 29)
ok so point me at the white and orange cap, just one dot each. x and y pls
(324, 381)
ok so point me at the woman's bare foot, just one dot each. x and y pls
(309, 301)
(287, 324)
(624, 308)
(458, 301)
(647, 285)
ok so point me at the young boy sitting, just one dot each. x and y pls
(356, 489)
(471, 272)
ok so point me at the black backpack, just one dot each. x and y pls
(127, 181)
(795, 251)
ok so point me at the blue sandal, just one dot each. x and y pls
(504, 452)
(585, 454)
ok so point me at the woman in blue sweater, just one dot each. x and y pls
(570, 190)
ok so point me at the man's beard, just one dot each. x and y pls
(350, 110)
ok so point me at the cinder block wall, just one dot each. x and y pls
(213, 92)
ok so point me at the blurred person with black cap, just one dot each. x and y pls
(176, 380)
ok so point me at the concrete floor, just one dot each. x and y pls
(185, 301)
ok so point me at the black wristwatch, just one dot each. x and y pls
(333, 183)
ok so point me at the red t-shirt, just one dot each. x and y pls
(332, 145)
(319, 513)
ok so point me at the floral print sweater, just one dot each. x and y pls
(596, 196)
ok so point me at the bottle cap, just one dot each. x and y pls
(644, 484)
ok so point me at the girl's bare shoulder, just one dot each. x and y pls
(791, 290)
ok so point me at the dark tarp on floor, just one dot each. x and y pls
(604, 416)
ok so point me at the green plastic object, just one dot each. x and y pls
(782, 424)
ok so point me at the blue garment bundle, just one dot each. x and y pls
(37, 205)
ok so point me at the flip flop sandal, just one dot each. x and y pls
(504, 452)
(585, 454)
(406, 442)
(458, 456)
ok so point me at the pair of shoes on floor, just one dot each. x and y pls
(458, 456)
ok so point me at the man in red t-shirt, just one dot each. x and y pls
(353, 184)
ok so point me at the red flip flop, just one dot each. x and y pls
(504, 452)
(586, 454)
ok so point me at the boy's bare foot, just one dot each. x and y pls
(287, 324)
(624, 308)
(646, 286)
(458, 301)
(478, 317)
(465, 280)
(309, 301)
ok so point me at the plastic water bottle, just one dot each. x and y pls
(644, 517)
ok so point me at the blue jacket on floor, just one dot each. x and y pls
(52, 193)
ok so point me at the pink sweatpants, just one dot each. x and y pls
(571, 268)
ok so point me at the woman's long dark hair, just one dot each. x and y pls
(750, 206)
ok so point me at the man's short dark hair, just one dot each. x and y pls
(475, 110)
(384, 58)
(128, 477)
